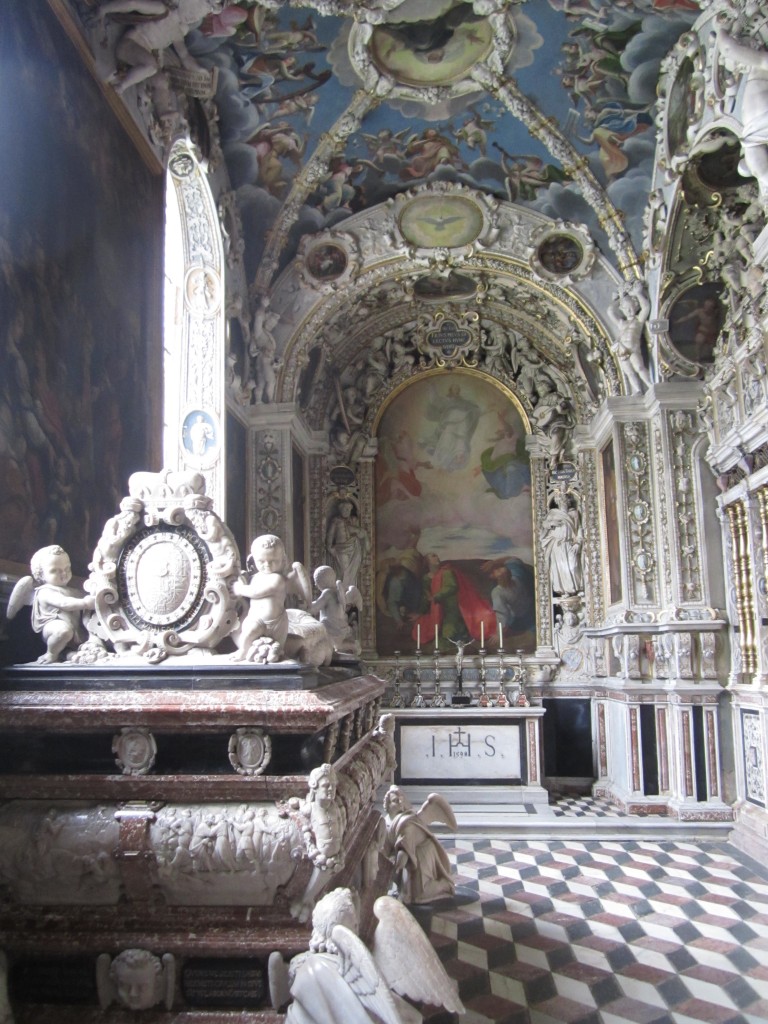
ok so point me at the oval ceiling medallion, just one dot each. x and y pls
(438, 221)
(437, 52)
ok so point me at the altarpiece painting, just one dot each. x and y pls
(454, 535)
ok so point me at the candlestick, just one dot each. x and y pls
(437, 639)
(482, 633)
(501, 637)
(418, 636)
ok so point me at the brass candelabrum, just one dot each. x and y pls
(520, 700)
(500, 698)
(418, 698)
(483, 701)
(438, 700)
(396, 700)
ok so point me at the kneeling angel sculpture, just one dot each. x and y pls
(422, 867)
(56, 607)
(340, 979)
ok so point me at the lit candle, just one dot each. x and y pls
(482, 633)
(437, 642)
(418, 636)
(501, 637)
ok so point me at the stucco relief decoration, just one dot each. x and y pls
(136, 979)
(202, 291)
(561, 252)
(682, 435)
(450, 340)
(637, 483)
(683, 84)
(135, 751)
(250, 751)
(161, 572)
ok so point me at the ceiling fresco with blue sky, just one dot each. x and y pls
(287, 76)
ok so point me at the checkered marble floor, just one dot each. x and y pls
(603, 932)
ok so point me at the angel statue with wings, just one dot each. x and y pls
(340, 979)
(264, 628)
(56, 607)
(335, 606)
(422, 868)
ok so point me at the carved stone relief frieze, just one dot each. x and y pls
(682, 434)
(198, 403)
(666, 574)
(269, 482)
(753, 746)
(643, 565)
(593, 561)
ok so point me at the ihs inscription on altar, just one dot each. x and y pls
(460, 751)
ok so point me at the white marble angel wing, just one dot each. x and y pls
(407, 960)
(353, 599)
(169, 979)
(104, 985)
(21, 594)
(279, 986)
(301, 584)
(358, 969)
(437, 809)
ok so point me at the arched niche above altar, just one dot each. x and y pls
(453, 521)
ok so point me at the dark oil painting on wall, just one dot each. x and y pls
(80, 284)
(454, 536)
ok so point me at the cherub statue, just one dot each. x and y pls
(159, 27)
(56, 607)
(631, 308)
(136, 978)
(332, 608)
(422, 868)
(339, 978)
(264, 629)
(738, 52)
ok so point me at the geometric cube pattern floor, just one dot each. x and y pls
(603, 932)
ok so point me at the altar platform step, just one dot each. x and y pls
(580, 817)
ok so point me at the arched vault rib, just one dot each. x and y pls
(543, 128)
(554, 318)
(306, 182)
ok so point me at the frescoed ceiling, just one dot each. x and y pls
(330, 107)
(329, 115)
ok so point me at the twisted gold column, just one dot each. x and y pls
(738, 522)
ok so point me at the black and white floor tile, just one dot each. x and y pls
(580, 931)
